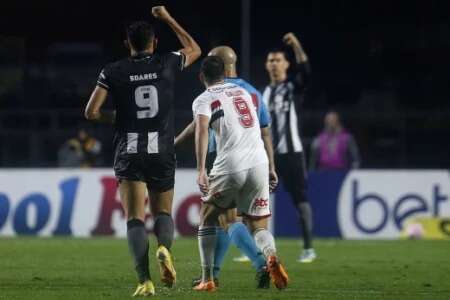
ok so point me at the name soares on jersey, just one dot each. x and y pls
(140, 77)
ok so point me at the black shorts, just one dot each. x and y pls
(156, 170)
(290, 167)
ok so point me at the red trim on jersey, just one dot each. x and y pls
(255, 100)
(215, 104)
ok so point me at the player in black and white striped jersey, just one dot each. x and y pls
(142, 89)
(283, 96)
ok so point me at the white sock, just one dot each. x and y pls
(207, 239)
(265, 242)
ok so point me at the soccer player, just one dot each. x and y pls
(240, 176)
(141, 87)
(283, 96)
(236, 232)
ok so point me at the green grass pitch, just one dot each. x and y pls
(58, 268)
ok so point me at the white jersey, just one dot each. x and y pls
(234, 119)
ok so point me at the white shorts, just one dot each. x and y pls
(247, 190)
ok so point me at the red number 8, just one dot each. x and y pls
(246, 118)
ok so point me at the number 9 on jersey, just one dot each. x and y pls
(146, 98)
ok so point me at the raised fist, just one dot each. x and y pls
(291, 40)
(160, 12)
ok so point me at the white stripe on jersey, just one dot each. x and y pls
(278, 110)
(296, 142)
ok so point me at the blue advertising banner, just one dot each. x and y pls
(323, 189)
(366, 204)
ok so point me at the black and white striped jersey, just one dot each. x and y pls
(283, 101)
(142, 89)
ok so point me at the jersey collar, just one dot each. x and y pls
(141, 55)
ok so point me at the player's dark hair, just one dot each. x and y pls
(140, 34)
(213, 69)
(279, 50)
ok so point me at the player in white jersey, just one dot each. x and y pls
(240, 174)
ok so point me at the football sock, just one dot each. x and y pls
(306, 224)
(222, 245)
(207, 238)
(241, 237)
(138, 246)
(164, 229)
(264, 240)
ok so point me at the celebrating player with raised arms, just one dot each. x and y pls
(142, 88)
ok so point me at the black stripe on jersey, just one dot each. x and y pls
(216, 115)
(273, 115)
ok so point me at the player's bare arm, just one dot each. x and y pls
(292, 41)
(267, 140)
(190, 49)
(93, 108)
(187, 133)
(201, 149)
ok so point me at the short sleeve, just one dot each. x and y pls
(201, 106)
(301, 77)
(104, 79)
(175, 61)
(263, 114)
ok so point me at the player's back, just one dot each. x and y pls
(142, 90)
(233, 118)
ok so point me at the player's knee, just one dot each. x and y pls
(231, 216)
(299, 196)
(255, 224)
(209, 214)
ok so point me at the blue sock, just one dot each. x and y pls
(223, 242)
(241, 237)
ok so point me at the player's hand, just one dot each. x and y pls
(291, 40)
(203, 182)
(160, 12)
(273, 180)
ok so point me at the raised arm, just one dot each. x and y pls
(302, 69)
(292, 41)
(190, 48)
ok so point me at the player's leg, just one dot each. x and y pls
(296, 184)
(222, 244)
(232, 218)
(221, 195)
(161, 208)
(207, 239)
(266, 243)
(237, 231)
(132, 195)
(160, 179)
(254, 204)
(243, 240)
